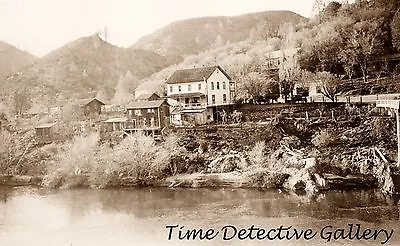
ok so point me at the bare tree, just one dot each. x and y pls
(257, 85)
(329, 84)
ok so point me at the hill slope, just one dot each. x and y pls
(13, 59)
(192, 36)
(85, 65)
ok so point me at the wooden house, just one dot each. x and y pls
(91, 106)
(45, 133)
(196, 94)
(148, 116)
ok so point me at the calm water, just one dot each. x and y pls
(36, 216)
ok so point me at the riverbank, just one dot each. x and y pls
(259, 179)
(285, 153)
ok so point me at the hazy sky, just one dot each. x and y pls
(40, 26)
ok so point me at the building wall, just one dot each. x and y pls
(218, 78)
(149, 118)
(92, 107)
(194, 87)
(44, 135)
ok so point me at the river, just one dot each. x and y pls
(38, 216)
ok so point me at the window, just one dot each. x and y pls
(189, 87)
(318, 89)
(179, 88)
(224, 85)
(212, 85)
(213, 99)
(217, 85)
(224, 98)
(171, 88)
(150, 110)
(199, 87)
(138, 112)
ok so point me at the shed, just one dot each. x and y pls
(44, 132)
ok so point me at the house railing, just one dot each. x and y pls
(194, 105)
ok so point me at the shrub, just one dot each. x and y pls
(75, 159)
(382, 129)
(140, 158)
(256, 155)
(324, 138)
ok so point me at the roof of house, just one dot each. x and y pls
(83, 102)
(193, 75)
(117, 119)
(146, 96)
(45, 125)
(145, 104)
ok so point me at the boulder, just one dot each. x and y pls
(320, 181)
(310, 163)
(301, 180)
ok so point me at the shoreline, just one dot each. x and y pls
(235, 179)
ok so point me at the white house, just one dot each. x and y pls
(196, 94)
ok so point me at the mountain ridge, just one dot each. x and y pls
(191, 36)
(13, 59)
(79, 67)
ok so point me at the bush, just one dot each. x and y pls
(324, 138)
(83, 161)
(256, 155)
(75, 159)
(382, 129)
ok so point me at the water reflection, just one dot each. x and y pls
(140, 214)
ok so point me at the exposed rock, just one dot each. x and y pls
(310, 163)
(336, 182)
(320, 181)
(228, 163)
(291, 142)
(301, 180)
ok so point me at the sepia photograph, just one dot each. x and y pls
(212, 122)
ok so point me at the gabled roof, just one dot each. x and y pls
(116, 120)
(146, 96)
(194, 75)
(83, 102)
(145, 104)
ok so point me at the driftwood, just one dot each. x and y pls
(381, 155)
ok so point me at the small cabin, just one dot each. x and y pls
(44, 133)
(91, 106)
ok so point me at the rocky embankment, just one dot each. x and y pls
(233, 170)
